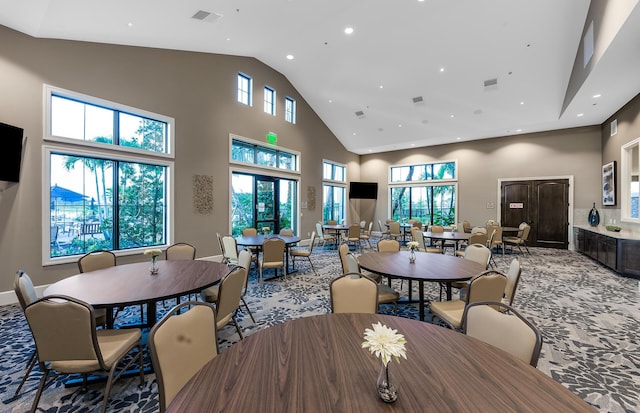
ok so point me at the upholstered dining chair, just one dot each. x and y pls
(343, 250)
(466, 226)
(210, 294)
(495, 240)
(180, 344)
(479, 230)
(332, 222)
(304, 252)
(439, 229)
(229, 249)
(486, 286)
(323, 236)
(417, 236)
(354, 293)
(273, 257)
(388, 245)
(505, 329)
(229, 297)
(67, 342)
(384, 231)
(249, 232)
(394, 230)
(365, 234)
(354, 235)
(519, 240)
(477, 238)
(181, 251)
(286, 232)
(386, 294)
(513, 278)
(96, 260)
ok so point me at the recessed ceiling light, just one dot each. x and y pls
(580, 115)
(597, 96)
(289, 57)
(381, 87)
(441, 69)
(354, 134)
(522, 102)
(458, 138)
(452, 116)
(330, 101)
(370, 150)
(348, 30)
(399, 125)
(228, 39)
(130, 24)
(413, 144)
(518, 130)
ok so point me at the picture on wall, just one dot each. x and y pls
(609, 183)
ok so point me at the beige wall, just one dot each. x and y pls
(572, 152)
(197, 89)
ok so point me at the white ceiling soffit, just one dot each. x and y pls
(442, 51)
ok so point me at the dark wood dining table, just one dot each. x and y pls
(427, 267)
(317, 364)
(256, 241)
(445, 236)
(133, 284)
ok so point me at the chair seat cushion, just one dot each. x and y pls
(272, 264)
(449, 311)
(300, 253)
(387, 294)
(210, 294)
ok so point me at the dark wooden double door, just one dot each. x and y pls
(543, 204)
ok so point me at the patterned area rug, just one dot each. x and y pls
(589, 317)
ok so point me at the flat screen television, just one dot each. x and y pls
(10, 152)
(363, 190)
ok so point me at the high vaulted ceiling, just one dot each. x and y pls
(439, 51)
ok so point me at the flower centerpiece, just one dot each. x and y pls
(413, 246)
(265, 230)
(386, 344)
(155, 253)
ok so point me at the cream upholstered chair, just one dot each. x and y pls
(273, 256)
(323, 236)
(439, 229)
(304, 252)
(332, 222)
(354, 235)
(466, 226)
(96, 260)
(384, 231)
(477, 238)
(505, 329)
(181, 251)
(229, 249)
(286, 232)
(479, 230)
(513, 278)
(343, 250)
(386, 294)
(249, 232)
(354, 293)
(495, 240)
(521, 239)
(486, 286)
(478, 253)
(229, 297)
(365, 234)
(180, 344)
(67, 342)
(416, 235)
(394, 230)
(388, 245)
(210, 294)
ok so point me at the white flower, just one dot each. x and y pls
(384, 343)
(154, 252)
(266, 229)
(412, 245)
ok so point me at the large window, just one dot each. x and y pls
(110, 188)
(269, 100)
(630, 181)
(334, 191)
(250, 152)
(244, 89)
(431, 195)
(290, 110)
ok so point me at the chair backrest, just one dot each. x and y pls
(64, 329)
(466, 226)
(478, 253)
(486, 286)
(319, 230)
(332, 222)
(508, 330)
(312, 241)
(363, 224)
(230, 293)
(479, 230)
(181, 251)
(416, 235)
(437, 228)
(96, 260)
(354, 293)
(394, 227)
(180, 344)
(354, 231)
(495, 238)
(525, 232)
(286, 232)
(249, 232)
(24, 289)
(230, 248)
(478, 238)
(273, 250)
(417, 224)
(368, 232)
(220, 243)
(352, 263)
(343, 250)
(513, 277)
(388, 245)
(381, 228)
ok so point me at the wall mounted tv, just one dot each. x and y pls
(363, 190)
(10, 152)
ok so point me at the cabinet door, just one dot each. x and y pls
(629, 258)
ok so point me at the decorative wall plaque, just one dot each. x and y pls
(311, 198)
(203, 194)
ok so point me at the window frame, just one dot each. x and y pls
(256, 143)
(332, 182)
(248, 92)
(627, 174)
(109, 151)
(334, 165)
(269, 104)
(290, 110)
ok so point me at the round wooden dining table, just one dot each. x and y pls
(445, 236)
(317, 364)
(132, 284)
(256, 241)
(427, 267)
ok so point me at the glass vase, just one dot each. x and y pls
(412, 257)
(153, 268)
(387, 388)
(594, 216)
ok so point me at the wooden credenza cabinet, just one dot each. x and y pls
(620, 252)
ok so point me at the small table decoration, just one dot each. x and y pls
(266, 230)
(155, 253)
(386, 344)
(413, 246)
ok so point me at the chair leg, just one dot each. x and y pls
(41, 386)
(312, 267)
(30, 365)
(248, 310)
(235, 322)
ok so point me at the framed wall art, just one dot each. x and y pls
(609, 183)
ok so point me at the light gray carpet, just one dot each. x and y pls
(589, 317)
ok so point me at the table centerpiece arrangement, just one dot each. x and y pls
(155, 253)
(386, 344)
(413, 246)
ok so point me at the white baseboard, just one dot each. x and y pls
(9, 297)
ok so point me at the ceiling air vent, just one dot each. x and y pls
(206, 16)
(491, 83)
(418, 99)
(360, 114)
